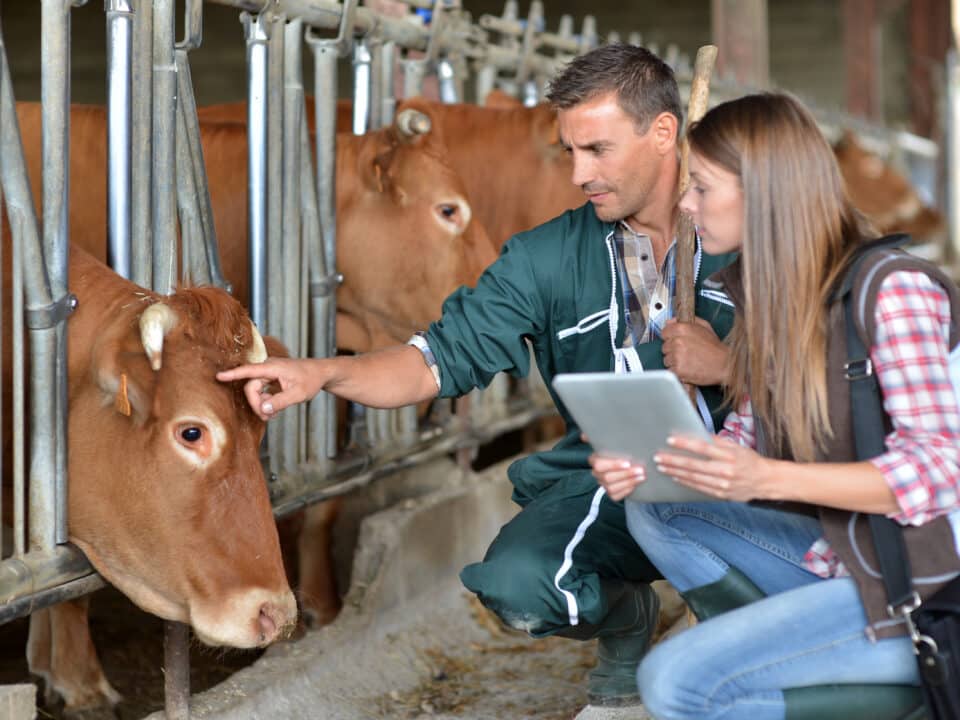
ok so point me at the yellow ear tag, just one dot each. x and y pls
(122, 403)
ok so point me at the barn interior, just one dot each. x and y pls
(422, 494)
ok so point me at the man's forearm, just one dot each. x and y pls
(388, 378)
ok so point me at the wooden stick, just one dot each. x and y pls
(684, 299)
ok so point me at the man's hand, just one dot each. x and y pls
(694, 352)
(299, 380)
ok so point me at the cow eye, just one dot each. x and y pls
(191, 434)
(448, 211)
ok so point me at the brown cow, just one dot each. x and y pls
(167, 497)
(514, 169)
(883, 194)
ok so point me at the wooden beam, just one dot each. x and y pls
(740, 33)
(861, 41)
(929, 41)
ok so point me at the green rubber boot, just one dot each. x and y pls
(623, 638)
(731, 591)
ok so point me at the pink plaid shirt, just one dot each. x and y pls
(922, 461)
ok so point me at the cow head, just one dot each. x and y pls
(882, 194)
(406, 237)
(167, 495)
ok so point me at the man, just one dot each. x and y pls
(591, 290)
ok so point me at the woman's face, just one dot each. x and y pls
(715, 202)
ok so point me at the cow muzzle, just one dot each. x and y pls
(247, 619)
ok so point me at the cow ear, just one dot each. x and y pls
(126, 381)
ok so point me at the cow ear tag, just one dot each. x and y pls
(122, 403)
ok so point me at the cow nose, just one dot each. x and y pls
(274, 621)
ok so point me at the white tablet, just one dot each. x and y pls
(632, 415)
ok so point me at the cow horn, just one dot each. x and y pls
(155, 322)
(258, 352)
(410, 123)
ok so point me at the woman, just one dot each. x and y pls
(764, 182)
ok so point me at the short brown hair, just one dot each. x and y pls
(644, 84)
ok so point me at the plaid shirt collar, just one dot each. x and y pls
(647, 290)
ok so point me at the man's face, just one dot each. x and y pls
(615, 166)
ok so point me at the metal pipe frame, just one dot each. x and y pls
(164, 148)
(362, 100)
(141, 170)
(256, 39)
(290, 252)
(323, 278)
(275, 193)
(48, 349)
(205, 266)
(119, 63)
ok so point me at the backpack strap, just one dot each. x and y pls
(869, 267)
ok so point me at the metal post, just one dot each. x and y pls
(48, 466)
(448, 82)
(119, 56)
(376, 83)
(176, 670)
(388, 101)
(164, 140)
(289, 301)
(141, 170)
(256, 38)
(275, 193)
(361, 87)
(323, 278)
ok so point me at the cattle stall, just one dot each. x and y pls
(161, 231)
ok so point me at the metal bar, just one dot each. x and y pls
(361, 87)
(141, 169)
(164, 140)
(176, 670)
(45, 598)
(193, 258)
(190, 137)
(19, 405)
(326, 14)
(47, 481)
(256, 38)
(376, 83)
(32, 572)
(448, 82)
(289, 300)
(414, 70)
(119, 57)
(323, 409)
(388, 101)
(275, 193)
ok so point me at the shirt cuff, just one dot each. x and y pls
(419, 341)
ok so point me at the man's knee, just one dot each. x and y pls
(515, 587)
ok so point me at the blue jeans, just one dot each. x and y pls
(809, 632)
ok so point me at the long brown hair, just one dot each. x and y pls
(798, 232)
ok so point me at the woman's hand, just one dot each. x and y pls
(719, 467)
(617, 476)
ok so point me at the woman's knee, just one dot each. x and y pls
(662, 681)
